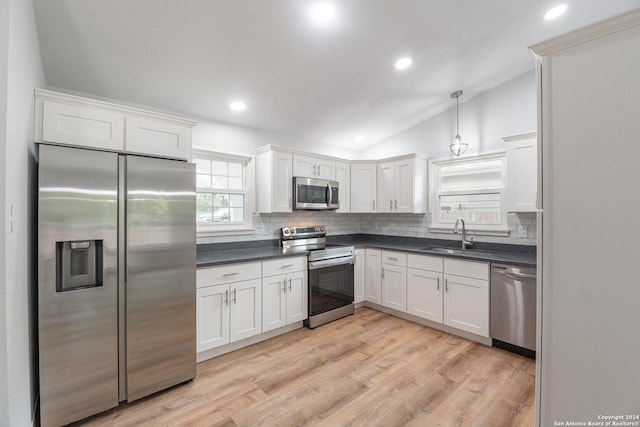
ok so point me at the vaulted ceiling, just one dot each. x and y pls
(321, 81)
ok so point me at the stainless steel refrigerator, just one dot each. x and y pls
(116, 279)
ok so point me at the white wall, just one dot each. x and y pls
(230, 138)
(508, 109)
(24, 72)
(590, 335)
(4, 57)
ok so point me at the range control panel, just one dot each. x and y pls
(303, 232)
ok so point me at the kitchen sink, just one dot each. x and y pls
(452, 251)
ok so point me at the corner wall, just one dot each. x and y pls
(24, 72)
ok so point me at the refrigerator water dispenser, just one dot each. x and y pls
(79, 265)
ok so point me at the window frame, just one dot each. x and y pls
(435, 165)
(230, 228)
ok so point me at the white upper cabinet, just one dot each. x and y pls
(82, 126)
(146, 136)
(402, 185)
(343, 176)
(522, 173)
(82, 122)
(314, 167)
(274, 180)
(363, 187)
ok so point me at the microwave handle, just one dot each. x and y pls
(329, 194)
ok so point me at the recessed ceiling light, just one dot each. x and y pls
(403, 63)
(323, 12)
(238, 106)
(555, 12)
(359, 138)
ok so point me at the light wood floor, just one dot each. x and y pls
(370, 369)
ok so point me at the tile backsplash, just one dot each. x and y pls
(267, 226)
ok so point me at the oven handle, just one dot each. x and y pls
(314, 265)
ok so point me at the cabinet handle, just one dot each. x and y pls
(390, 205)
(396, 202)
(289, 284)
(229, 274)
(234, 296)
(392, 258)
(287, 266)
(446, 285)
(373, 205)
(438, 284)
(284, 282)
(383, 273)
(314, 170)
(226, 297)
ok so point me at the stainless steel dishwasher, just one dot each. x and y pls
(513, 308)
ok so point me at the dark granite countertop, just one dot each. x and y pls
(227, 253)
(220, 257)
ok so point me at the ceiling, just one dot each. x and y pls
(325, 83)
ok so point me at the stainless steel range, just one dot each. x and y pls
(330, 269)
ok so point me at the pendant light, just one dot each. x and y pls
(457, 145)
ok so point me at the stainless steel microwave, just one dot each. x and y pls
(315, 194)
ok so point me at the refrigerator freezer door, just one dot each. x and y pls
(160, 275)
(78, 343)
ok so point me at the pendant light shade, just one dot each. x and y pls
(458, 145)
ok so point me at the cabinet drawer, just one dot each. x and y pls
(394, 258)
(475, 270)
(229, 273)
(283, 265)
(425, 262)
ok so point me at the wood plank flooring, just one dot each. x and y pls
(370, 369)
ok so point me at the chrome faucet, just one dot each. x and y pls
(465, 243)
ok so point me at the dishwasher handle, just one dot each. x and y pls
(512, 273)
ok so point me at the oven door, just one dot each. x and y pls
(330, 287)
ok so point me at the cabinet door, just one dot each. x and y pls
(304, 166)
(522, 181)
(343, 176)
(245, 309)
(282, 182)
(325, 169)
(385, 187)
(373, 279)
(144, 136)
(466, 304)
(212, 312)
(274, 304)
(82, 126)
(424, 294)
(358, 276)
(296, 295)
(403, 185)
(363, 187)
(394, 287)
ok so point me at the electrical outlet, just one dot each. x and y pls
(522, 231)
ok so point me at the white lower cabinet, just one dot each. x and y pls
(285, 296)
(466, 300)
(285, 300)
(394, 280)
(425, 283)
(359, 276)
(373, 276)
(227, 313)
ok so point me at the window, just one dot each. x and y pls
(472, 189)
(222, 200)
